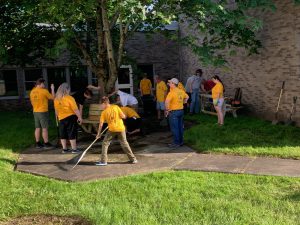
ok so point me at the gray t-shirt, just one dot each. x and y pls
(196, 81)
(187, 84)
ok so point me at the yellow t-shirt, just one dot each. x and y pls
(112, 116)
(217, 89)
(145, 86)
(129, 112)
(39, 99)
(161, 89)
(176, 98)
(180, 86)
(65, 107)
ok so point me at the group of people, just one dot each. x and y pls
(196, 84)
(170, 102)
(69, 115)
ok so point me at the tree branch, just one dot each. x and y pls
(86, 55)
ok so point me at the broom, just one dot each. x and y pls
(79, 157)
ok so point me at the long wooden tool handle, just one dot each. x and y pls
(281, 91)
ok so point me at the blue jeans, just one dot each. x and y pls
(176, 125)
(195, 103)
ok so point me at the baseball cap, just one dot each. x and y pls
(174, 80)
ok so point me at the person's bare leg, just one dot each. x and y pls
(63, 143)
(73, 144)
(217, 108)
(45, 135)
(37, 134)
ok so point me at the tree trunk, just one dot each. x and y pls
(113, 70)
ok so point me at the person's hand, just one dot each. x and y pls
(216, 102)
(98, 135)
(166, 113)
(79, 120)
(52, 87)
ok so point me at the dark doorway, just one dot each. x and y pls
(145, 68)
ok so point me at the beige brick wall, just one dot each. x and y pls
(261, 76)
(156, 50)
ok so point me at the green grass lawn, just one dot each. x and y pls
(156, 198)
(243, 136)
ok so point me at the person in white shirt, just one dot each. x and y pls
(126, 99)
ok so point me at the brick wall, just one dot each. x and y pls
(156, 50)
(261, 76)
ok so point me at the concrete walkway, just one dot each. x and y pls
(153, 155)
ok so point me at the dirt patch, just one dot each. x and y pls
(46, 220)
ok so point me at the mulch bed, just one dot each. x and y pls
(46, 220)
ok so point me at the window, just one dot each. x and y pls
(56, 76)
(8, 83)
(94, 80)
(31, 76)
(78, 78)
(123, 76)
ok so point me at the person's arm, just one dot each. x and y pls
(191, 85)
(52, 90)
(113, 93)
(186, 98)
(99, 130)
(79, 118)
(80, 109)
(202, 85)
(92, 87)
(122, 115)
(167, 107)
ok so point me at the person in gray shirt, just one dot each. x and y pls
(194, 88)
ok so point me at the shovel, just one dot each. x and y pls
(289, 120)
(275, 121)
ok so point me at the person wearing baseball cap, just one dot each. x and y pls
(174, 109)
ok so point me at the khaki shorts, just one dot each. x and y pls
(41, 119)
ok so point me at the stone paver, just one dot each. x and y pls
(153, 155)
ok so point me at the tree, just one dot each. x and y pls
(96, 30)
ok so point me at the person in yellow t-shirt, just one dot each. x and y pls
(174, 109)
(68, 115)
(161, 94)
(113, 115)
(218, 99)
(39, 97)
(146, 94)
(132, 121)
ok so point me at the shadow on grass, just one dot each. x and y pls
(9, 161)
(294, 197)
(243, 136)
(17, 130)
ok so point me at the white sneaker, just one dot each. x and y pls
(101, 164)
(134, 161)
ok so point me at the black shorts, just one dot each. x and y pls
(132, 124)
(68, 128)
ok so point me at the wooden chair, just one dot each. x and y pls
(91, 123)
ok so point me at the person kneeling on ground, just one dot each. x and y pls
(113, 116)
(125, 99)
(132, 121)
(68, 115)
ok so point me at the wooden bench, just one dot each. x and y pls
(91, 123)
(232, 109)
(208, 108)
